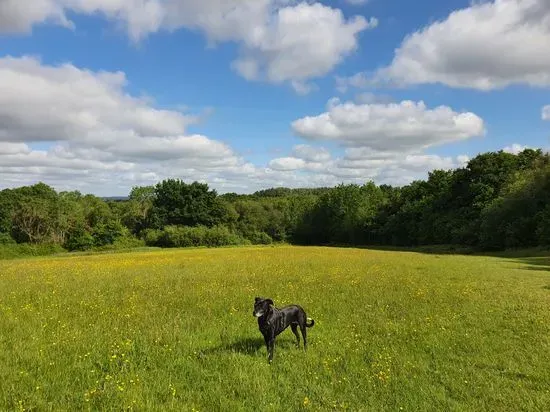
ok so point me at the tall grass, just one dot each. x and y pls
(173, 330)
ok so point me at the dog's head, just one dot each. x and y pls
(261, 306)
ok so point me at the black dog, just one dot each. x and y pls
(273, 321)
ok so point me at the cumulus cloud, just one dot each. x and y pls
(310, 153)
(139, 17)
(382, 141)
(385, 165)
(515, 148)
(359, 165)
(279, 39)
(287, 163)
(304, 157)
(95, 130)
(16, 16)
(289, 48)
(488, 45)
(46, 103)
(80, 129)
(7, 148)
(386, 127)
(370, 98)
(546, 113)
(358, 80)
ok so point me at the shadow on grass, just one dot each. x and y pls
(454, 250)
(248, 346)
(536, 263)
(533, 259)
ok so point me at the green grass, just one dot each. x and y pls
(173, 330)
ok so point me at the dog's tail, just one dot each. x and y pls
(311, 323)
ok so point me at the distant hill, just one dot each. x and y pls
(114, 198)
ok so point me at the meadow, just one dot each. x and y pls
(173, 330)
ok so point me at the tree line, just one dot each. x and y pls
(498, 200)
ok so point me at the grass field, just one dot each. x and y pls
(173, 330)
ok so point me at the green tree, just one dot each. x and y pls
(179, 203)
(346, 213)
(34, 213)
(519, 217)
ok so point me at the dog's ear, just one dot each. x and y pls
(257, 299)
(269, 301)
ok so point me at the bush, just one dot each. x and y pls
(151, 237)
(220, 236)
(11, 251)
(543, 226)
(108, 233)
(123, 242)
(79, 239)
(185, 236)
(180, 236)
(260, 238)
(6, 239)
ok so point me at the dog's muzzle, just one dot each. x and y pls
(258, 314)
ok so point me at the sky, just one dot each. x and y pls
(103, 95)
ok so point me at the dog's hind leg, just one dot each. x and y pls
(304, 333)
(294, 327)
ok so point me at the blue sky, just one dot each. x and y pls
(102, 96)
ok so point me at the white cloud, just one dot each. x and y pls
(7, 148)
(515, 148)
(139, 17)
(357, 2)
(45, 103)
(384, 142)
(287, 49)
(279, 39)
(95, 131)
(100, 139)
(103, 140)
(303, 88)
(486, 46)
(386, 167)
(310, 153)
(16, 16)
(247, 67)
(304, 157)
(370, 98)
(462, 160)
(287, 163)
(389, 127)
(361, 165)
(546, 113)
(358, 80)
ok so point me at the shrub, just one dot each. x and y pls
(123, 242)
(543, 226)
(79, 239)
(260, 238)
(180, 236)
(11, 251)
(107, 233)
(185, 236)
(6, 239)
(220, 236)
(151, 237)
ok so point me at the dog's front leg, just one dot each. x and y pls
(270, 344)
